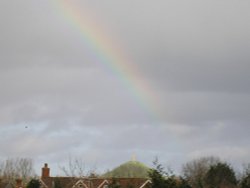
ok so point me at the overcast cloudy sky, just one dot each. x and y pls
(58, 98)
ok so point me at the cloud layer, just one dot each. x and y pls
(57, 100)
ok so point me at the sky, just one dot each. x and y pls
(105, 80)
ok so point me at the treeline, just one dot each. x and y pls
(206, 172)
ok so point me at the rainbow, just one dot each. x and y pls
(110, 55)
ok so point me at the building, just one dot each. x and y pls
(87, 182)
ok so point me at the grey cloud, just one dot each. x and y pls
(198, 107)
(188, 45)
(193, 54)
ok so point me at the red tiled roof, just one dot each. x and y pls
(69, 182)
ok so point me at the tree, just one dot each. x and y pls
(34, 183)
(25, 168)
(245, 180)
(219, 176)
(76, 168)
(195, 170)
(14, 168)
(114, 184)
(183, 183)
(160, 178)
(156, 175)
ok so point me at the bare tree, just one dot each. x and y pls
(77, 168)
(1, 168)
(25, 168)
(9, 170)
(195, 170)
(13, 168)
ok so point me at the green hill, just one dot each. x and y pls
(130, 169)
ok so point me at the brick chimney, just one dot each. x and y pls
(19, 183)
(45, 171)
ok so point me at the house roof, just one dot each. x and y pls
(71, 182)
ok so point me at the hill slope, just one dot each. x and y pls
(130, 169)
